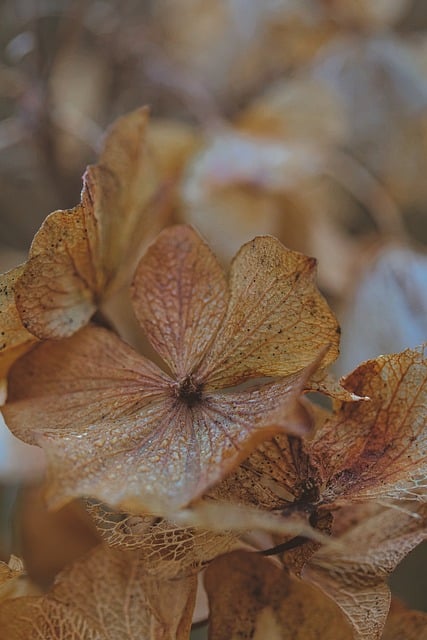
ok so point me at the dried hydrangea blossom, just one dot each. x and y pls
(118, 428)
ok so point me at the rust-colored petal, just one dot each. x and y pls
(57, 292)
(354, 574)
(15, 340)
(276, 321)
(104, 596)
(180, 297)
(404, 624)
(377, 448)
(168, 550)
(250, 597)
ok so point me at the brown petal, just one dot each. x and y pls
(94, 405)
(273, 476)
(15, 340)
(404, 624)
(56, 294)
(104, 595)
(80, 255)
(180, 297)
(377, 448)
(128, 195)
(354, 574)
(168, 550)
(276, 321)
(250, 597)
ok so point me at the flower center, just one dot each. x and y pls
(189, 391)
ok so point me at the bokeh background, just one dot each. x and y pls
(306, 119)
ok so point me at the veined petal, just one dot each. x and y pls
(88, 401)
(377, 449)
(168, 550)
(56, 294)
(79, 256)
(354, 575)
(180, 297)
(276, 319)
(105, 595)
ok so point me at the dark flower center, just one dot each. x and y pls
(189, 391)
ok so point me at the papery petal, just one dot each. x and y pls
(354, 574)
(128, 194)
(80, 255)
(56, 294)
(94, 405)
(250, 597)
(15, 340)
(180, 297)
(168, 550)
(105, 595)
(276, 319)
(228, 426)
(377, 448)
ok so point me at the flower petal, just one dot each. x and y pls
(89, 401)
(180, 297)
(104, 595)
(276, 320)
(168, 550)
(354, 573)
(80, 255)
(250, 597)
(377, 448)
(56, 294)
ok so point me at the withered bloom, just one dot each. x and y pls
(118, 428)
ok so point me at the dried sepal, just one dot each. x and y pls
(80, 256)
(167, 550)
(276, 319)
(354, 575)
(180, 297)
(104, 595)
(377, 449)
(250, 597)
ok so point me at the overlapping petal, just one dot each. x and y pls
(377, 449)
(81, 255)
(354, 574)
(276, 320)
(250, 597)
(104, 596)
(180, 297)
(114, 426)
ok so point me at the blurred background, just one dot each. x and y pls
(306, 119)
